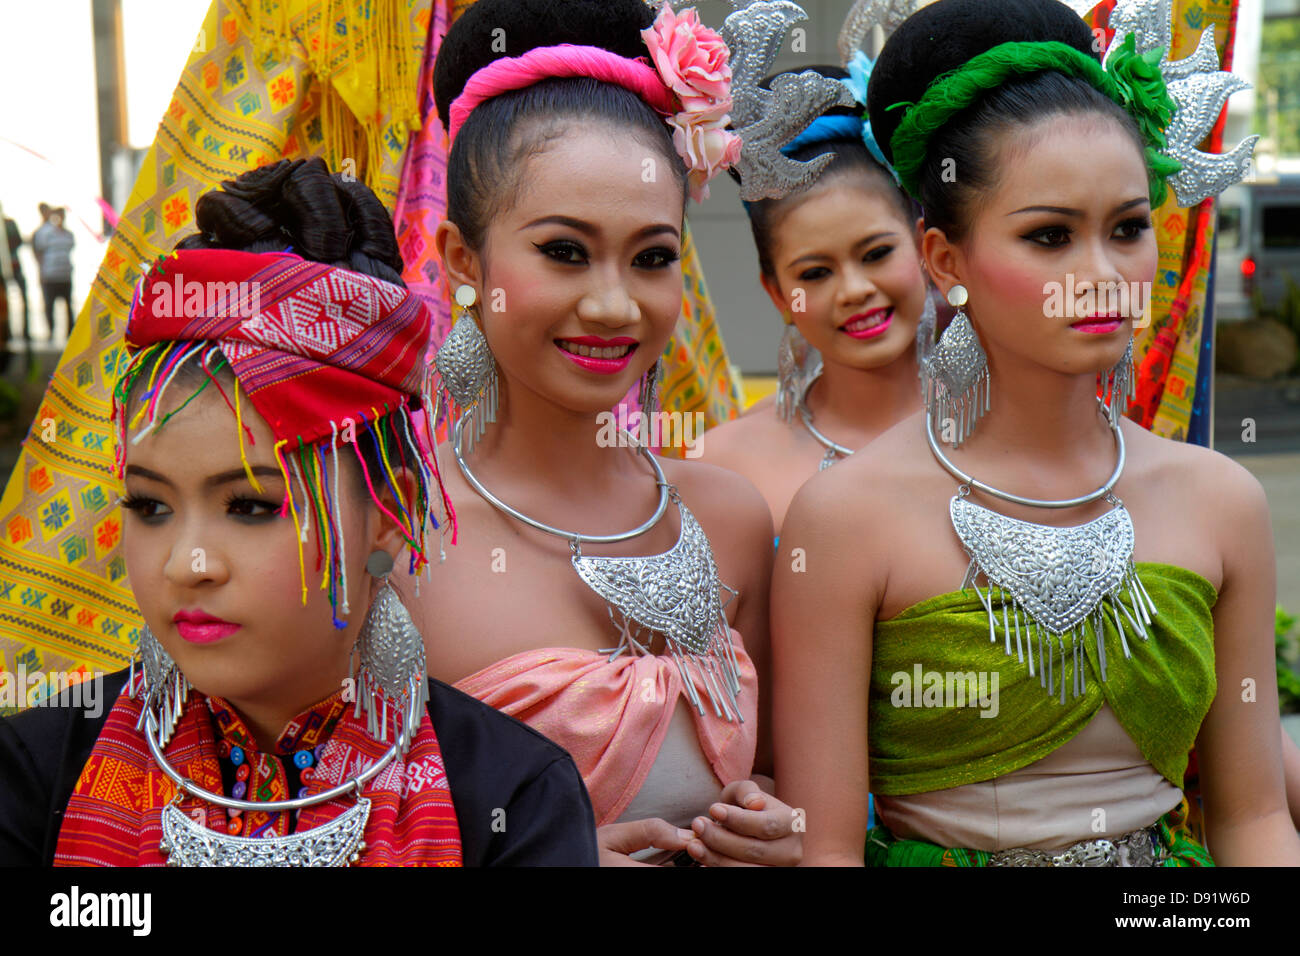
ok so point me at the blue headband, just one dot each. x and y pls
(825, 129)
(838, 127)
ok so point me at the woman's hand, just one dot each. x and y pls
(748, 828)
(619, 840)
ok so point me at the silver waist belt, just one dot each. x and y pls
(1137, 848)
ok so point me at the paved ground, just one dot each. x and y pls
(1280, 476)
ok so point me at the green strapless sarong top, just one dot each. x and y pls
(949, 707)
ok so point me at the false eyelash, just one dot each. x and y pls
(271, 508)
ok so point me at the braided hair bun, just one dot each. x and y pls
(299, 206)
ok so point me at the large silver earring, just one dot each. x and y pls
(165, 687)
(791, 357)
(1118, 385)
(649, 394)
(392, 665)
(925, 330)
(956, 375)
(467, 371)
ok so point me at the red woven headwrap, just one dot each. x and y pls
(309, 343)
(323, 353)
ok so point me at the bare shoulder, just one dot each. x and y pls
(739, 439)
(714, 492)
(895, 467)
(1210, 475)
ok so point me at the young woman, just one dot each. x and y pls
(565, 210)
(978, 753)
(839, 261)
(284, 715)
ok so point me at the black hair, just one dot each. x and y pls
(943, 36)
(849, 157)
(487, 159)
(299, 206)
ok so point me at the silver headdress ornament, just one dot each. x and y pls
(766, 120)
(1196, 85)
(865, 14)
(1199, 88)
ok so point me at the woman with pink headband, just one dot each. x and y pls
(595, 591)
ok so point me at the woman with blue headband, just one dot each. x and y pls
(839, 260)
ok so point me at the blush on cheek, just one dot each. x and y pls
(1015, 287)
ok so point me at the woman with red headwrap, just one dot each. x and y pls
(284, 715)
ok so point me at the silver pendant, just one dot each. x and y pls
(336, 843)
(1059, 583)
(675, 594)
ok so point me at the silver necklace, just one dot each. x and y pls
(967, 480)
(834, 451)
(676, 593)
(1055, 583)
(336, 843)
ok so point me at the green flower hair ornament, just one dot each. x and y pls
(1131, 79)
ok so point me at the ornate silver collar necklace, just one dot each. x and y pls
(380, 684)
(1052, 583)
(676, 593)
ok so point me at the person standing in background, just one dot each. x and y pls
(14, 239)
(53, 247)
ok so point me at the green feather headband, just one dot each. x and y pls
(1131, 79)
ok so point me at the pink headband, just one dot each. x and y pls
(566, 59)
(687, 81)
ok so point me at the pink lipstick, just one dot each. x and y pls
(1099, 324)
(867, 325)
(199, 627)
(602, 356)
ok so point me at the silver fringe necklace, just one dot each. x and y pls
(676, 593)
(1060, 583)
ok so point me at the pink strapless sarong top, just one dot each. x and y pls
(612, 717)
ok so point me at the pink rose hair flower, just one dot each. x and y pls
(693, 62)
(692, 59)
(707, 149)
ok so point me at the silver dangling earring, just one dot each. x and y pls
(1118, 385)
(649, 394)
(467, 371)
(392, 666)
(956, 374)
(165, 687)
(925, 329)
(791, 357)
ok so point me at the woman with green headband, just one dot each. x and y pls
(1018, 677)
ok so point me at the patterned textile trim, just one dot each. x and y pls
(1176, 844)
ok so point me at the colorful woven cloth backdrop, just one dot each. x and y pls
(697, 374)
(267, 79)
(1169, 350)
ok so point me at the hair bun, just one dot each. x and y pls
(492, 29)
(299, 203)
(944, 35)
